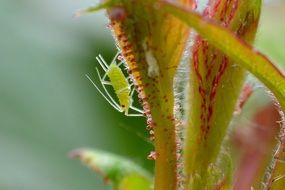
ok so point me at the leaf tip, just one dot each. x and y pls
(77, 153)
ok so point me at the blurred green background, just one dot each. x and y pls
(48, 107)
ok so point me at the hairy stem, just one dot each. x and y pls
(254, 61)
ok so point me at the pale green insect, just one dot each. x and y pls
(124, 89)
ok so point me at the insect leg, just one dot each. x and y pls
(140, 112)
(117, 54)
(119, 64)
(102, 79)
(110, 101)
(136, 109)
(133, 114)
(132, 93)
(102, 63)
(102, 60)
(105, 67)
(106, 91)
(130, 80)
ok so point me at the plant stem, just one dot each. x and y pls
(163, 124)
(165, 147)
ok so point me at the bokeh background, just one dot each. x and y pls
(48, 107)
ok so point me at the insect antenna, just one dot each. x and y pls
(115, 57)
(102, 63)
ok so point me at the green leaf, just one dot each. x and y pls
(122, 173)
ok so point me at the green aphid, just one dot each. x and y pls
(123, 88)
